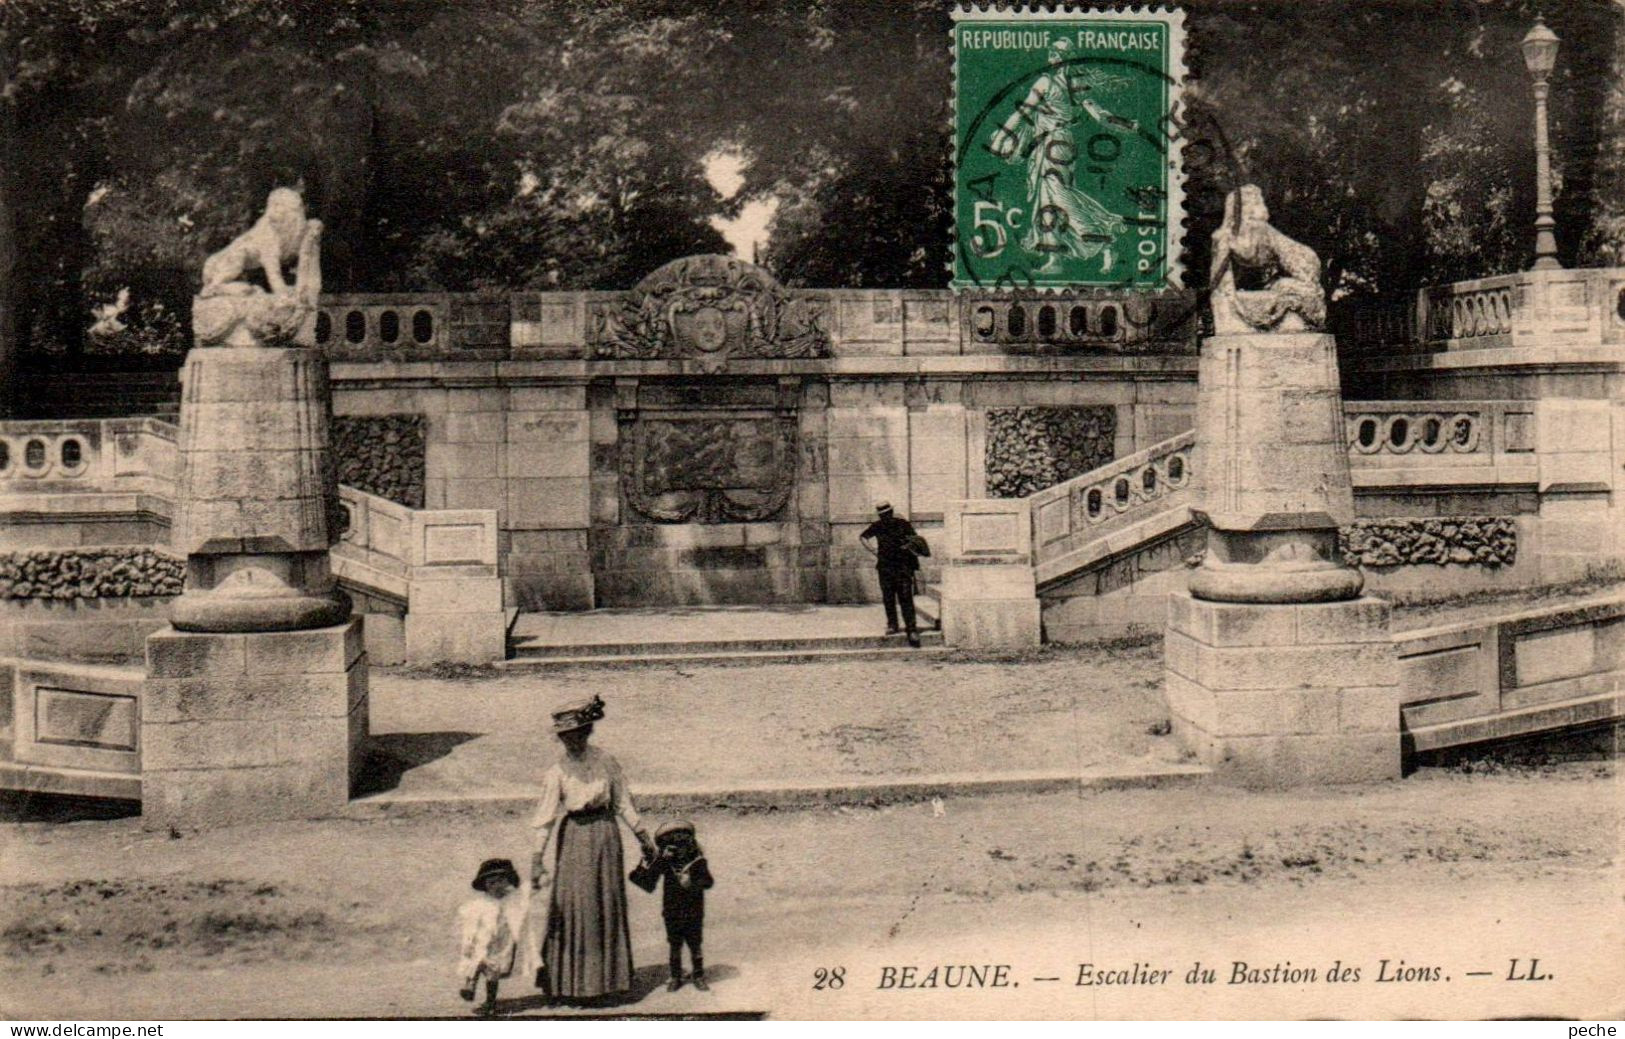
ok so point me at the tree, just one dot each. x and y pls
(584, 167)
(557, 144)
(1605, 241)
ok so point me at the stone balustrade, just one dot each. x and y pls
(1475, 313)
(1539, 669)
(1113, 322)
(1088, 507)
(1535, 310)
(1383, 436)
(414, 326)
(860, 322)
(372, 551)
(1403, 430)
(1386, 326)
(1407, 443)
(95, 482)
(132, 455)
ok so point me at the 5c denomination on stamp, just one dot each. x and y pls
(1066, 148)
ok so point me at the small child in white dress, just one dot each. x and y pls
(490, 923)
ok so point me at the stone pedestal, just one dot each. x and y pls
(990, 606)
(257, 502)
(989, 589)
(252, 726)
(1276, 695)
(1271, 470)
(1276, 673)
(456, 619)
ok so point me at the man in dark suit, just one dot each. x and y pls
(888, 538)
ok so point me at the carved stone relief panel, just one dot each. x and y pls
(708, 468)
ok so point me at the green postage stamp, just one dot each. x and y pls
(1066, 148)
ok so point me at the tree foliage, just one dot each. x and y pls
(560, 144)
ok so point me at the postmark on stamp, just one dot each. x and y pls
(1066, 148)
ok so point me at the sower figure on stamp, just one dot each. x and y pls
(1042, 133)
(896, 547)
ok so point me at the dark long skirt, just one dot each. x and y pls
(588, 950)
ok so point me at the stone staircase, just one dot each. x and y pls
(650, 637)
(1101, 550)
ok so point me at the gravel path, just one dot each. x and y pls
(342, 917)
(1055, 710)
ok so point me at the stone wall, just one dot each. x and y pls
(382, 455)
(85, 631)
(731, 449)
(596, 505)
(1029, 449)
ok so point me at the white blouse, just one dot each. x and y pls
(594, 780)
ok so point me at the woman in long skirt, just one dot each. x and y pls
(586, 947)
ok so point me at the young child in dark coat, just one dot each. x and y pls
(681, 863)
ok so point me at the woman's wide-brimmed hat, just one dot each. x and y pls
(578, 716)
(490, 869)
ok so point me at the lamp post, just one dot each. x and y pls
(1539, 56)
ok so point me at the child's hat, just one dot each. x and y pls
(579, 715)
(490, 869)
(678, 826)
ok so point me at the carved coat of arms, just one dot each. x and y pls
(708, 309)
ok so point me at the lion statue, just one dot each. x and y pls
(1291, 299)
(278, 237)
(230, 311)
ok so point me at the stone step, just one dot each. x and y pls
(931, 646)
(535, 649)
(928, 607)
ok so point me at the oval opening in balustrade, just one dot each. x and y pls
(1092, 502)
(1463, 437)
(1399, 433)
(1148, 480)
(1077, 322)
(1432, 434)
(1046, 322)
(72, 453)
(5, 456)
(983, 322)
(1619, 307)
(1016, 320)
(324, 327)
(1176, 469)
(1108, 321)
(423, 326)
(1120, 491)
(34, 454)
(1366, 433)
(355, 326)
(389, 326)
